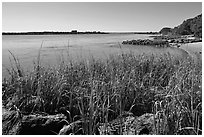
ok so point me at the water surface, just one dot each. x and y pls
(76, 47)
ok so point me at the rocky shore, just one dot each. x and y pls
(15, 123)
(164, 41)
(147, 42)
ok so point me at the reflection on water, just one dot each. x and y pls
(76, 47)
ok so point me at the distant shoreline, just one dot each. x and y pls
(50, 33)
(58, 33)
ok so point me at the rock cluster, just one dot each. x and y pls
(14, 123)
(147, 42)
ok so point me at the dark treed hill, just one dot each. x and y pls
(188, 27)
(165, 31)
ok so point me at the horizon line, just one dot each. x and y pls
(78, 31)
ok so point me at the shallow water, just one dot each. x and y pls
(75, 47)
(194, 50)
(192, 47)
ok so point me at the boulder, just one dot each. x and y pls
(14, 123)
(129, 125)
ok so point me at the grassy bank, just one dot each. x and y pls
(97, 91)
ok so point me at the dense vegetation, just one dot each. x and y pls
(97, 91)
(188, 27)
(165, 31)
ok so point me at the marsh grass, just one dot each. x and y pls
(97, 91)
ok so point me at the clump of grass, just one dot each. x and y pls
(97, 91)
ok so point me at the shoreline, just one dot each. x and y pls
(74, 33)
(194, 50)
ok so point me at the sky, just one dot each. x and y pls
(99, 16)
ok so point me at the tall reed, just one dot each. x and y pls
(97, 91)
